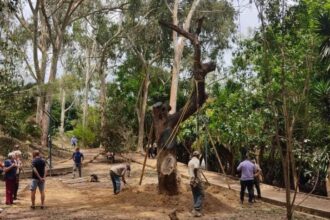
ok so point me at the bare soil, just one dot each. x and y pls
(68, 198)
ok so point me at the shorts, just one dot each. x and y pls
(37, 183)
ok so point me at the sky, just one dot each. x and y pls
(247, 21)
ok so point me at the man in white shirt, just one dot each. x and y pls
(196, 183)
(117, 172)
(257, 178)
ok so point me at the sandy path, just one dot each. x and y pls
(68, 198)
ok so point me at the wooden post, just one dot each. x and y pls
(147, 151)
(216, 153)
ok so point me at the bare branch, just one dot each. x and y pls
(184, 33)
(23, 23)
(200, 70)
(168, 7)
(31, 6)
(187, 22)
(70, 106)
(67, 16)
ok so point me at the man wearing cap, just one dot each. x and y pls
(196, 183)
(116, 172)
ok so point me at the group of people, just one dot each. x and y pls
(152, 150)
(117, 172)
(12, 168)
(250, 177)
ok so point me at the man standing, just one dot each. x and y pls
(38, 178)
(19, 164)
(74, 141)
(117, 172)
(10, 178)
(77, 158)
(257, 178)
(247, 169)
(196, 183)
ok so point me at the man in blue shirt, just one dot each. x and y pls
(77, 158)
(39, 174)
(247, 169)
(10, 178)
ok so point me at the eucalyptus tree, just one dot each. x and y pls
(216, 32)
(46, 29)
(146, 42)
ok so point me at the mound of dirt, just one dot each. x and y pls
(148, 196)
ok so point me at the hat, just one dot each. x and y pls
(196, 153)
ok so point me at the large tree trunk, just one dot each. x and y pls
(327, 184)
(49, 93)
(103, 94)
(166, 125)
(142, 110)
(178, 43)
(63, 94)
(86, 89)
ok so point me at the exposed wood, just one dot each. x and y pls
(166, 125)
(178, 42)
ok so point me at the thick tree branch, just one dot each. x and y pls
(200, 71)
(67, 15)
(31, 6)
(72, 103)
(49, 28)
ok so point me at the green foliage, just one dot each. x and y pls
(85, 135)
(288, 84)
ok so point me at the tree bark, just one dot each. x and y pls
(328, 181)
(86, 89)
(166, 125)
(178, 43)
(143, 108)
(103, 101)
(63, 94)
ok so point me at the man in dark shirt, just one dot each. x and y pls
(10, 178)
(38, 178)
(77, 158)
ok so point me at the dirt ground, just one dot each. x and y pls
(68, 198)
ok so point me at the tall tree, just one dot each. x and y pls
(47, 29)
(165, 125)
(220, 13)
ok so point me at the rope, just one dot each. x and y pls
(176, 127)
(147, 152)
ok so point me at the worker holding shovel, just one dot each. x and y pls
(117, 172)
